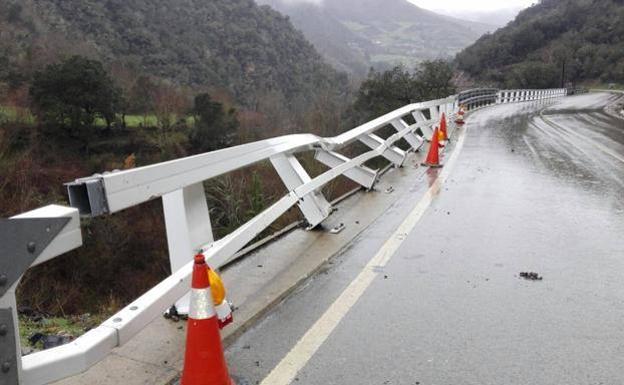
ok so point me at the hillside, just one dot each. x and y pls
(496, 18)
(355, 34)
(235, 45)
(555, 40)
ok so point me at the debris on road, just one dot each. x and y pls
(337, 229)
(390, 190)
(173, 315)
(49, 341)
(530, 276)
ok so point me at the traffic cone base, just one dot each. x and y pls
(432, 165)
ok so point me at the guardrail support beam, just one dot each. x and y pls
(426, 130)
(362, 175)
(187, 220)
(414, 140)
(314, 206)
(393, 154)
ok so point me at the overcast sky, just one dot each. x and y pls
(474, 5)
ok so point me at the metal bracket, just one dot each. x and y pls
(23, 240)
(8, 356)
(88, 196)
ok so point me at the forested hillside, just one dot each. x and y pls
(236, 45)
(355, 34)
(553, 42)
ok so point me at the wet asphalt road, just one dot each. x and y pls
(537, 187)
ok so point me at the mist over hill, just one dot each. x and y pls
(356, 34)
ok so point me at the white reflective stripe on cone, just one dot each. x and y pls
(201, 304)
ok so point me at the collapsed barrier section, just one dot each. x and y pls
(179, 183)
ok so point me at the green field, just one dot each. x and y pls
(10, 114)
(13, 114)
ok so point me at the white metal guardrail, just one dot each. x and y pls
(512, 96)
(180, 185)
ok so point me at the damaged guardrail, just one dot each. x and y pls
(179, 183)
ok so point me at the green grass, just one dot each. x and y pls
(16, 115)
(151, 120)
(138, 120)
(13, 114)
(75, 327)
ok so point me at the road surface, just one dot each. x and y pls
(431, 294)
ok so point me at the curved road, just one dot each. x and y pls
(537, 187)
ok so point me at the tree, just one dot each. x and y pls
(386, 91)
(215, 128)
(533, 75)
(70, 96)
(169, 102)
(434, 80)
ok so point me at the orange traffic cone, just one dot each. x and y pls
(443, 127)
(460, 116)
(433, 158)
(204, 362)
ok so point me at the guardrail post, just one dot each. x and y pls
(314, 206)
(187, 220)
(435, 113)
(26, 240)
(10, 347)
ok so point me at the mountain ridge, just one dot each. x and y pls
(379, 33)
